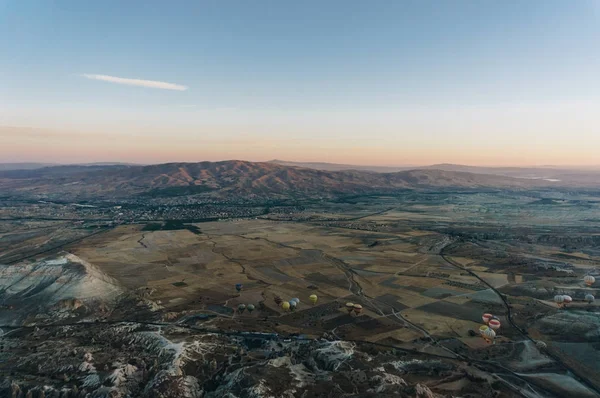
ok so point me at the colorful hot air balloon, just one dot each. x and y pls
(350, 307)
(589, 298)
(487, 333)
(238, 287)
(278, 300)
(250, 308)
(357, 309)
(241, 308)
(285, 305)
(589, 280)
(567, 299)
(292, 305)
(494, 323)
(486, 317)
(313, 299)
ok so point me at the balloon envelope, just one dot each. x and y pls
(250, 307)
(567, 299)
(589, 280)
(486, 317)
(494, 324)
(313, 298)
(589, 298)
(285, 305)
(489, 334)
(559, 299)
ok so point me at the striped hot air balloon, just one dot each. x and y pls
(487, 333)
(559, 299)
(357, 309)
(589, 280)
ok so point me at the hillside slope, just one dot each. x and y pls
(238, 178)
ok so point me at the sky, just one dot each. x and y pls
(402, 82)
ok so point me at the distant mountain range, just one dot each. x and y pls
(341, 167)
(568, 175)
(33, 166)
(233, 179)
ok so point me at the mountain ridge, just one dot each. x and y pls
(241, 178)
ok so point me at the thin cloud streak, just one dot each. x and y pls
(136, 82)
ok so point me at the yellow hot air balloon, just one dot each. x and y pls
(487, 333)
(313, 298)
(285, 305)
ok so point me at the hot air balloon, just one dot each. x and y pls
(350, 307)
(559, 300)
(487, 333)
(494, 323)
(292, 305)
(241, 308)
(589, 280)
(313, 299)
(541, 345)
(297, 300)
(486, 317)
(589, 298)
(278, 300)
(357, 309)
(285, 305)
(239, 287)
(568, 299)
(250, 308)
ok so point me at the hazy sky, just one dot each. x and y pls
(367, 82)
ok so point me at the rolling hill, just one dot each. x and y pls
(240, 178)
